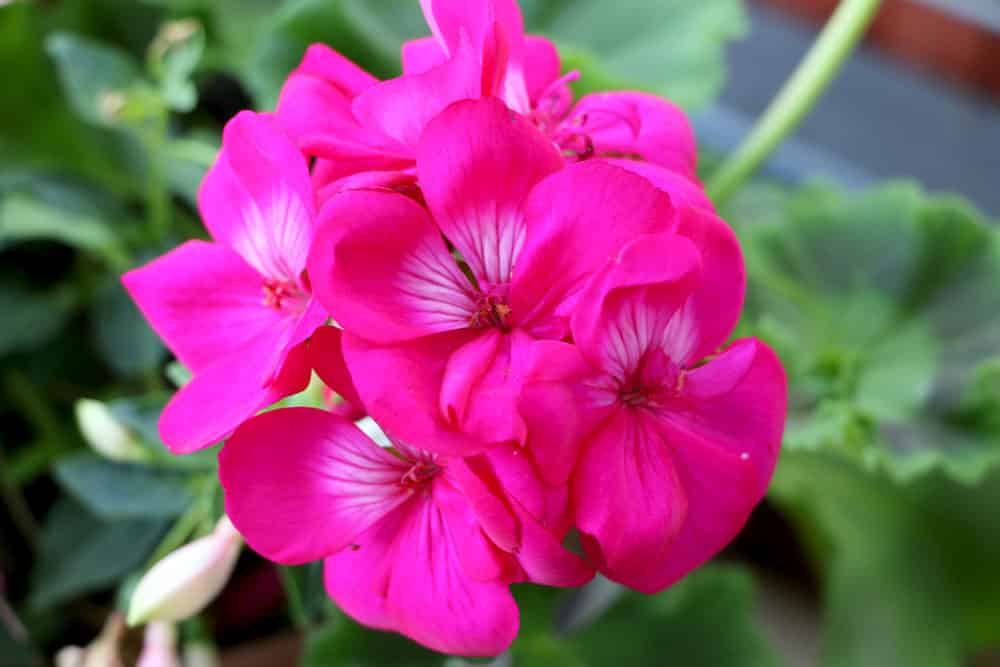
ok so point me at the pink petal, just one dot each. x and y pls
(555, 406)
(628, 306)
(400, 108)
(577, 220)
(326, 357)
(204, 301)
(542, 516)
(480, 386)
(258, 198)
(405, 574)
(481, 24)
(330, 183)
(400, 385)
(481, 560)
(421, 55)
(477, 162)
(629, 501)
(541, 66)
(316, 98)
(432, 597)
(683, 190)
(380, 267)
(485, 499)
(220, 398)
(641, 125)
(329, 484)
(714, 308)
(737, 403)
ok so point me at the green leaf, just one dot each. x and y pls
(81, 554)
(141, 414)
(90, 71)
(124, 339)
(344, 642)
(674, 48)
(32, 317)
(705, 620)
(187, 161)
(26, 218)
(884, 309)
(15, 653)
(911, 576)
(114, 491)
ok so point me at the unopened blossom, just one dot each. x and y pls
(674, 441)
(185, 581)
(435, 343)
(102, 652)
(236, 311)
(159, 646)
(412, 541)
(105, 434)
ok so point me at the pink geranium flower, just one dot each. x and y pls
(236, 310)
(672, 450)
(413, 542)
(435, 344)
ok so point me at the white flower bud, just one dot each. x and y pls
(105, 434)
(185, 581)
(159, 646)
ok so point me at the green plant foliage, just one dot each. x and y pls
(116, 491)
(81, 553)
(670, 47)
(121, 334)
(32, 316)
(704, 620)
(90, 72)
(910, 571)
(884, 308)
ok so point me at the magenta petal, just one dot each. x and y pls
(328, 484)
(476, 163)
(326, 356)
(257, 198)
(747, 419)
(577, 220)
(421, 55)
(639, 124)
(683, 190)
(220, 398)
(204, 301)
(330, 183)
(380, 267)
(628, 306)
(432, 597)
(541, 66)
(555, 407)
(714, 308)
(400, 385)
(400, 108)
(629, 501)
(481, 559)
(480, 386)
(316, 98)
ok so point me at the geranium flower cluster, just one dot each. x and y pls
(529, 296)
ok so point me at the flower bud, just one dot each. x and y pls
(105, 434)
(159, 646)
(185, 581)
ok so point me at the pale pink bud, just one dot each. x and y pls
(185, 581)
(105, 434)
(159, 646)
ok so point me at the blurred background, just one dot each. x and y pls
(874, 266)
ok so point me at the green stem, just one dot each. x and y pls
(797, 97)
(296, 603)
(157, 189)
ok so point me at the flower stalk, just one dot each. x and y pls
(797, 97)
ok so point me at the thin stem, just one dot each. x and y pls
(797, 97)
(296, 603)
